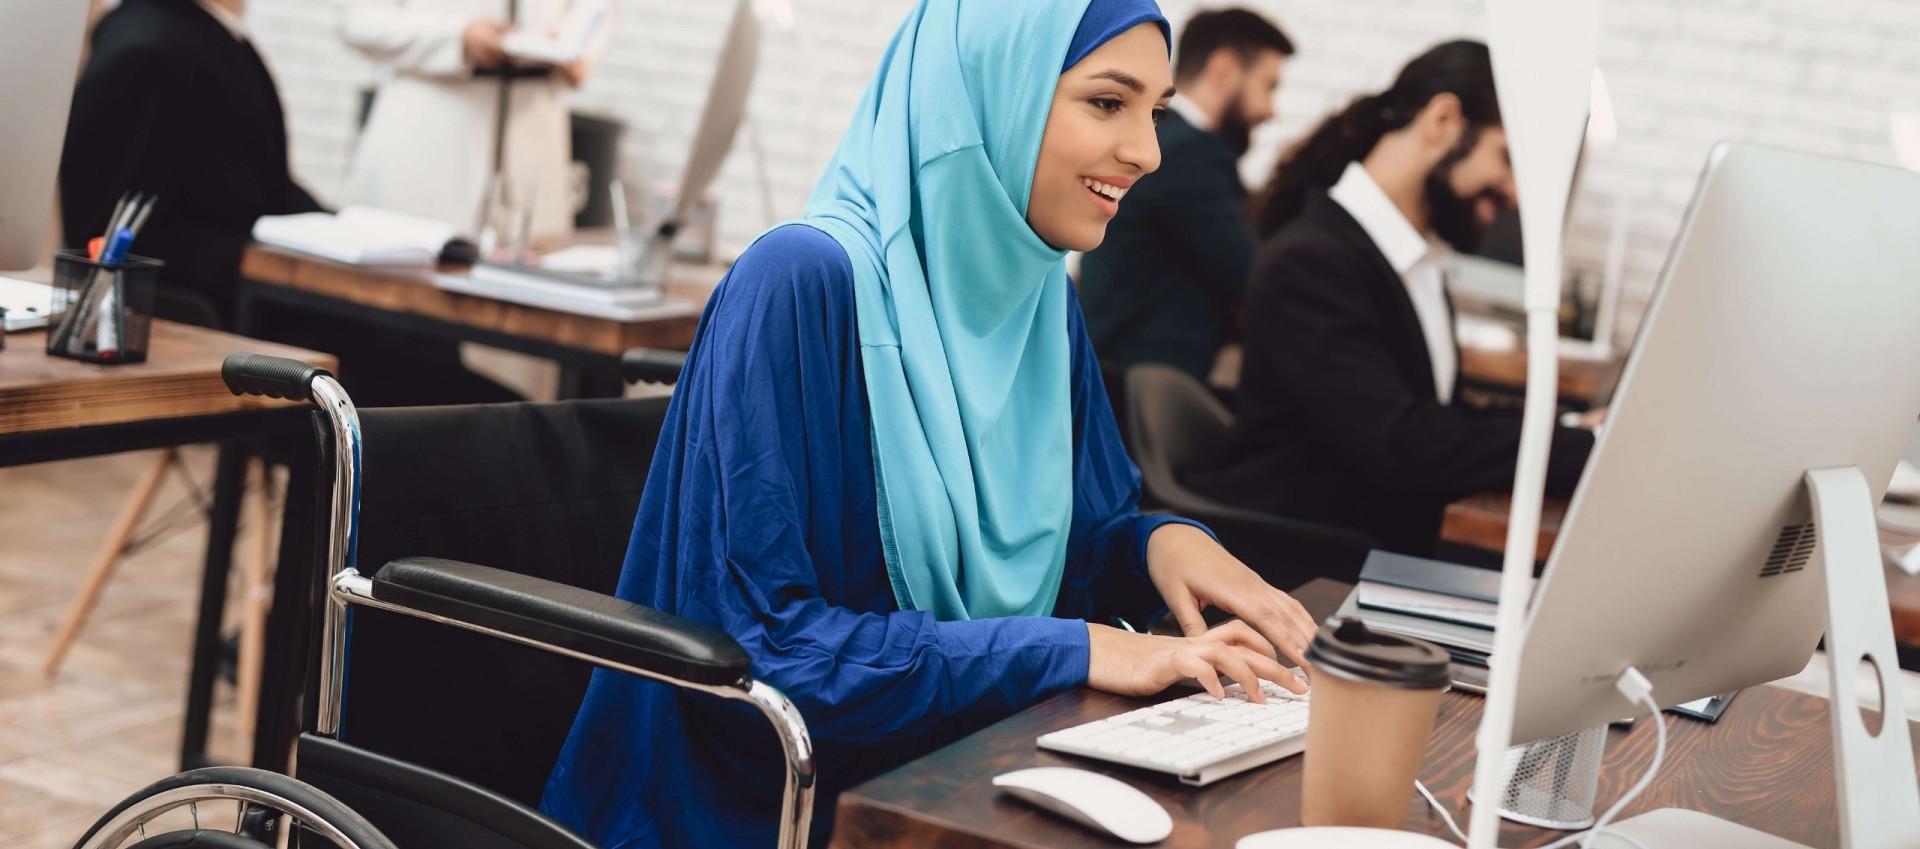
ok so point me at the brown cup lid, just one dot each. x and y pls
(1349, 649)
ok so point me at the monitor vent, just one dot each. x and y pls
(1791, 551)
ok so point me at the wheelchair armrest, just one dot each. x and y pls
(653, 365)
(598, 626)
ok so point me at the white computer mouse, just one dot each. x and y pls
(1340, 838)
(1091, 799)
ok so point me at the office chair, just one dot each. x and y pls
(1172, 419)
(441, 705)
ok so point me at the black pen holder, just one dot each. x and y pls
(101, 313)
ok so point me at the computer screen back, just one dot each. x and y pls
(1784, 336)
(40, 44)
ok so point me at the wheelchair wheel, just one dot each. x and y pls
(264, 801)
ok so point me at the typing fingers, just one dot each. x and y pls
(1192, 665)
(1187, 613)
(1239, 633)
(1235, 663)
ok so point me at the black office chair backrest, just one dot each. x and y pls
(1171, 419)
(548, 490)
(1174, 420)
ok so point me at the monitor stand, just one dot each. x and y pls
(1877, 795)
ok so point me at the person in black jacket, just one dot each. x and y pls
(174, 100)
(1345, 407)
(1165, 285)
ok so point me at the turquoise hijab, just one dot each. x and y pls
(962, 308)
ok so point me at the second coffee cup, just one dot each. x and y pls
(1375, 697)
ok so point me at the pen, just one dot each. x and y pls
(112, 318)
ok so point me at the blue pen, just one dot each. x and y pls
(116, 249)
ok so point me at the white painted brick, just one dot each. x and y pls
(1812, 74)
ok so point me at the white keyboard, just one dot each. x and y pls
(1200, 738)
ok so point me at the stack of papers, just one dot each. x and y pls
(585, 289)
(360, 235)
(509, 279)
(1448, 604)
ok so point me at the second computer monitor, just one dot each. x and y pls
(1784, 336)
(39, 57)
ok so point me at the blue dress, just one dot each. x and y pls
(759, 518)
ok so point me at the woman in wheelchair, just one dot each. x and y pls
(890, 470)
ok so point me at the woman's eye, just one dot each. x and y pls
(1107, 104)
(1159, 112)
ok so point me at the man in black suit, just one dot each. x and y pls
(1165, 285)
(1346, 412)
(174, 100)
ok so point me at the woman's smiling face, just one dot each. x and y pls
(1099, 137)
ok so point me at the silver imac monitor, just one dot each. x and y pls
(1784, 336)
(40, 44)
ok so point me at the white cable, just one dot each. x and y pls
(1455, 827)
(1441, 809)
(1637, 683)
(1636, 688)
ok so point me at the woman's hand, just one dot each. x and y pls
(1143, 664)
(483, 42)
(1191, 571)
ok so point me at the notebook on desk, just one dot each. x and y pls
(360, 235)
(1431, 589)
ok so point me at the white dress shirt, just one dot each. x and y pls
(1420, 261)
(1191, 111)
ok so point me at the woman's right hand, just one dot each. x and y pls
(483, 42)
(1131, 664)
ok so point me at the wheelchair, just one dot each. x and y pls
(441, 690)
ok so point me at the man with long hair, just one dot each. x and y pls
(1166, 284)
(1346, 412)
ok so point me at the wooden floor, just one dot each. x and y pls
(74, 745)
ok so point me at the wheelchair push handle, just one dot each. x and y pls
(274, 377)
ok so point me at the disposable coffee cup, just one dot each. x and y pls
(1375, 697)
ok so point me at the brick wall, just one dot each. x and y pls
(1817, 75)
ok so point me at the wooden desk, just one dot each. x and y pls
(1767, 764)
(1585, 381)
(1481, 521)
(53, 408)
(180, 379)
(407, 298)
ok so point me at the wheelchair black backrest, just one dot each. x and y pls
(548, 490)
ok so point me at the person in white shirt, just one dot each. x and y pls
(433, 137)
(1347, 412)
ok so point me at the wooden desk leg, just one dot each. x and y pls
(228, 477)
(292, 629)
(255, 594)
(109, 557)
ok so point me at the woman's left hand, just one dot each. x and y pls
(1191, 571)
